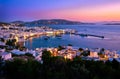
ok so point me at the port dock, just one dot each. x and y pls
(85, 35)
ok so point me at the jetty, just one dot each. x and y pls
(85, 35)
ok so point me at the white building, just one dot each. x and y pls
(18, 52)
(2, 43)
(6, 56)
(2, 50)
(93, 54)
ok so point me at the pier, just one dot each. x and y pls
(85, 35)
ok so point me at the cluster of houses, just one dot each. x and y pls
(68, 52)
(23, 33)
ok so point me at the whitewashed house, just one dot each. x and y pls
(18, 52)
(93, 54)
(110, 59)
(78, 53)
(6, 56)
(38, 56)
(2, 50)
(2, 43)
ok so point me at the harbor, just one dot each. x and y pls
(45, 37)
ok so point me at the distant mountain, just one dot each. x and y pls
(18, 22)
(110, 23)
(48, 22)
(53, 22)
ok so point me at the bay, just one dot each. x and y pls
(110, 32)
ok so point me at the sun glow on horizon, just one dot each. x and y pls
(77, 10)
(101, 13)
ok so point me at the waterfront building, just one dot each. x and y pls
(6, 56)
(93, 54)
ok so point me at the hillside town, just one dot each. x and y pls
(12, 45)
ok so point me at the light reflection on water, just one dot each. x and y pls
(111, 41)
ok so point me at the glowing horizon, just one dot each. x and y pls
(76, 10)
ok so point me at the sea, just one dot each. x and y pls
(110, 41)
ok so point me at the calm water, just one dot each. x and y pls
(111, 41)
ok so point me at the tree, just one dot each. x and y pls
(102, 50)
(81, 49)
(22, 69)
(60, 48)
(11, 42)
(115, 64)
(29, 55)
(2, 39)
(46, 56)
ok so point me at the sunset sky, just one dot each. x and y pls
(76, 10)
